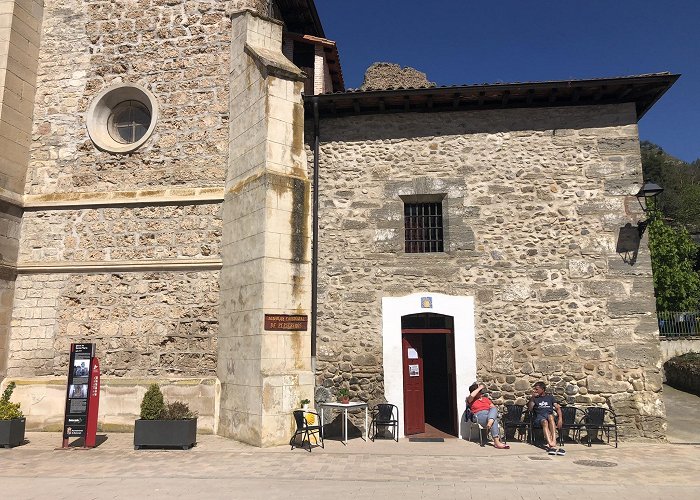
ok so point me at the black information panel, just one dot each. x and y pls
(78, 390)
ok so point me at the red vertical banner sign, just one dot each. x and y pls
(79, 392)
(93, 404)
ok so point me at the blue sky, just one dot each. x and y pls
(465, 41)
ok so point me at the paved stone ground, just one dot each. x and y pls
(221, 468)
(683, 413)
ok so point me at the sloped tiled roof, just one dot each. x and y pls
(644, 90)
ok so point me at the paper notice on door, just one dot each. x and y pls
(412, 353)
(413, 371)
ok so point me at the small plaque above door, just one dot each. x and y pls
(413, 371)
(412, 353)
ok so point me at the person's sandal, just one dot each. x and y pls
(561, 451)
(551, 451)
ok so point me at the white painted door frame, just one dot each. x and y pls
(462, 311)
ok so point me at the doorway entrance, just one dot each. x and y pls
(458, 307)
(428, 352)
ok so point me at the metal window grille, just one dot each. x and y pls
(423, 224)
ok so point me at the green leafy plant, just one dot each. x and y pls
(177, 410)
(154, 407)
(690, 362)
(343, 393)
(683, 372)
(680, 201)
(673, 255)
(8, 410)
(153, 404)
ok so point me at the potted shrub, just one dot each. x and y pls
(305, 404)
(12, 421)
(164, 425)
(344, 395)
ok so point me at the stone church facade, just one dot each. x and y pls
(157, 198)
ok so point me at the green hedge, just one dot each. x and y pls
(683, 372)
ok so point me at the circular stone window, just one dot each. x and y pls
(121, 118)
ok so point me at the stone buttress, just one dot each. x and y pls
(266, 239)
(20, 27)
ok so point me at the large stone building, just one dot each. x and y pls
(157, 161)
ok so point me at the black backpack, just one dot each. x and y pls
(468, 415)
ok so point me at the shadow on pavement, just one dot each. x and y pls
(80, 442)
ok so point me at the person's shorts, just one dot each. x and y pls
(539, 419)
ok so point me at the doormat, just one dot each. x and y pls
(426, 440)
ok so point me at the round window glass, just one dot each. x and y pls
(129, 122)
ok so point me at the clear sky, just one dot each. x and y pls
(466, 41)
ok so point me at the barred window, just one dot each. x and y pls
(423, 224)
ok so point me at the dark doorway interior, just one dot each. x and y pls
(437, 399)
(436, 332)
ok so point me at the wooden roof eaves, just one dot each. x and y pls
(316, 18)
(310, 39)
(302, 14)
(526, 94)
(641, 112)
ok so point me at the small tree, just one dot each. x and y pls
(152, 404)
(154, 407)
(673, 253)
(177, 410)
(8, 410)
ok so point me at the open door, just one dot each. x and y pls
(429, 375)
(452, 382)
(414, 410)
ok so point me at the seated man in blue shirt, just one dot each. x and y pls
(543, 407)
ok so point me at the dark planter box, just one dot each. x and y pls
(12, 432)
(165, 433)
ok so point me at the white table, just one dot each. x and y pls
(345, 407)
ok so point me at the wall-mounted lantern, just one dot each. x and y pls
(648, 191)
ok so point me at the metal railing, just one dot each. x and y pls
(679, 324)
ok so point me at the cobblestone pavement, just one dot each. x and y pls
(683, 413)
(221, 468)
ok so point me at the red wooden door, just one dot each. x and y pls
(414, 411)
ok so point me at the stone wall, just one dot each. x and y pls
(122, 233)
(536, 203)
(177, 49)
(10, 219)
(123, 249)
(43, 400)
(155, 324)
(7, 291)
(675, 346)
(384, 75)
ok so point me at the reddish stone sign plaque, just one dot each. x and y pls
(284, 322)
